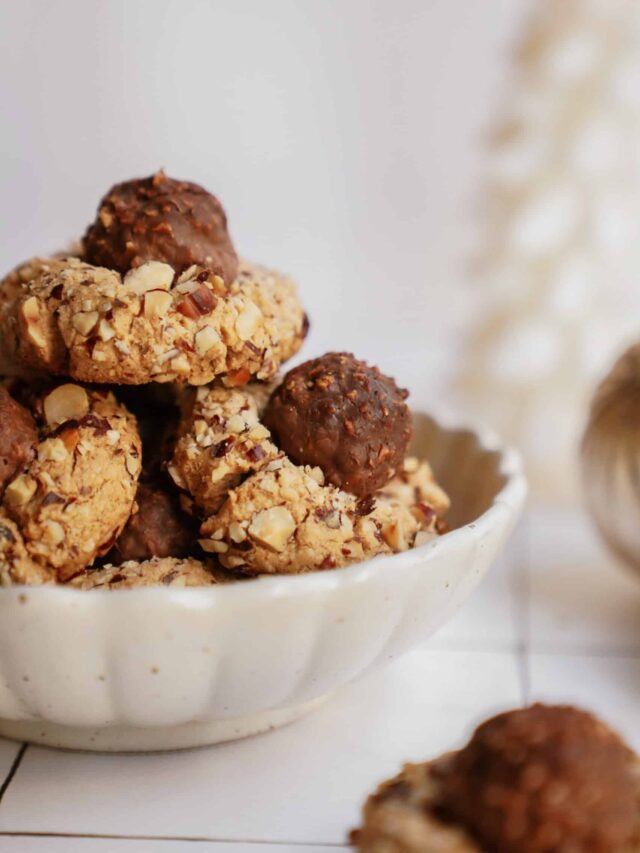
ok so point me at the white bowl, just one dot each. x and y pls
(162, 668)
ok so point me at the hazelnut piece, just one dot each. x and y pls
(65, 403)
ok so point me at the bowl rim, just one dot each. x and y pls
(511, 496)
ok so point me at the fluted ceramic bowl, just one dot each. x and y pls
(165, 668)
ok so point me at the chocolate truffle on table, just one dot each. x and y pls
(18, 437)
(345, 417)
(544, 778)
(161, 219)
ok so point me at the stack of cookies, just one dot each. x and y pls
(146, 436)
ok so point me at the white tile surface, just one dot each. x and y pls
(8, 753)
(304, 783)
(40, 844)
(609, 686)
(580, 598)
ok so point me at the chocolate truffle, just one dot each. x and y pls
(347, 418)
(160, 219)
(159, 528)
(540, 779)
(18, 437)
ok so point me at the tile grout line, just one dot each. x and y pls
(330, 845)
(13, 770)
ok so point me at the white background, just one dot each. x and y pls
(344, 137)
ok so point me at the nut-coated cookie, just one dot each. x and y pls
(540, 779)
(71, 500)
(66, 317)
(283, 519)
(221, 440)
(159, 571)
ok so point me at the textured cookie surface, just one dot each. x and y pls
(66, 317)
(283, 519)
(70, 502)
(400, 817)
(220, 441)
(159, 571)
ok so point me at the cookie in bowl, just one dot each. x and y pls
(542, 779)
(71, 468)
(318, 481)
(157, 295)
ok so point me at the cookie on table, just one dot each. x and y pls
(543, 779)
(73, 484)
(70, 318)
(158, 571)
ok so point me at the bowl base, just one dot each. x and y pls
(151, 738)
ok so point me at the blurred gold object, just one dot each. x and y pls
(611, 458)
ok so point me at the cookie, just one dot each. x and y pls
(416, 488)
(400, 817)
(533, 780)
(220, 441)
(16, 566)
(283, 519)
(159, 571)
(70, 502)
(18, 437)
(67, 317)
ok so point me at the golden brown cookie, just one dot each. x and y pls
(220, 441)
(283, 519)
(66, 317)
(159, 571)
(70, 502)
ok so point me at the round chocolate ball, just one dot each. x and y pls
(160, 219)
(158, 529)
(347, 418)
(541, 779)
(18, 438)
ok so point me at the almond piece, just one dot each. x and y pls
(20, 491)
(212, 546)
(247, 321)
(206, 339)
(272, 527)
(53, 532)
(156, 303)
(65, 403)
(52, 450)
(33, 322)
(153, 275)
(105, 330)
(180, 364)
(84, 322)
